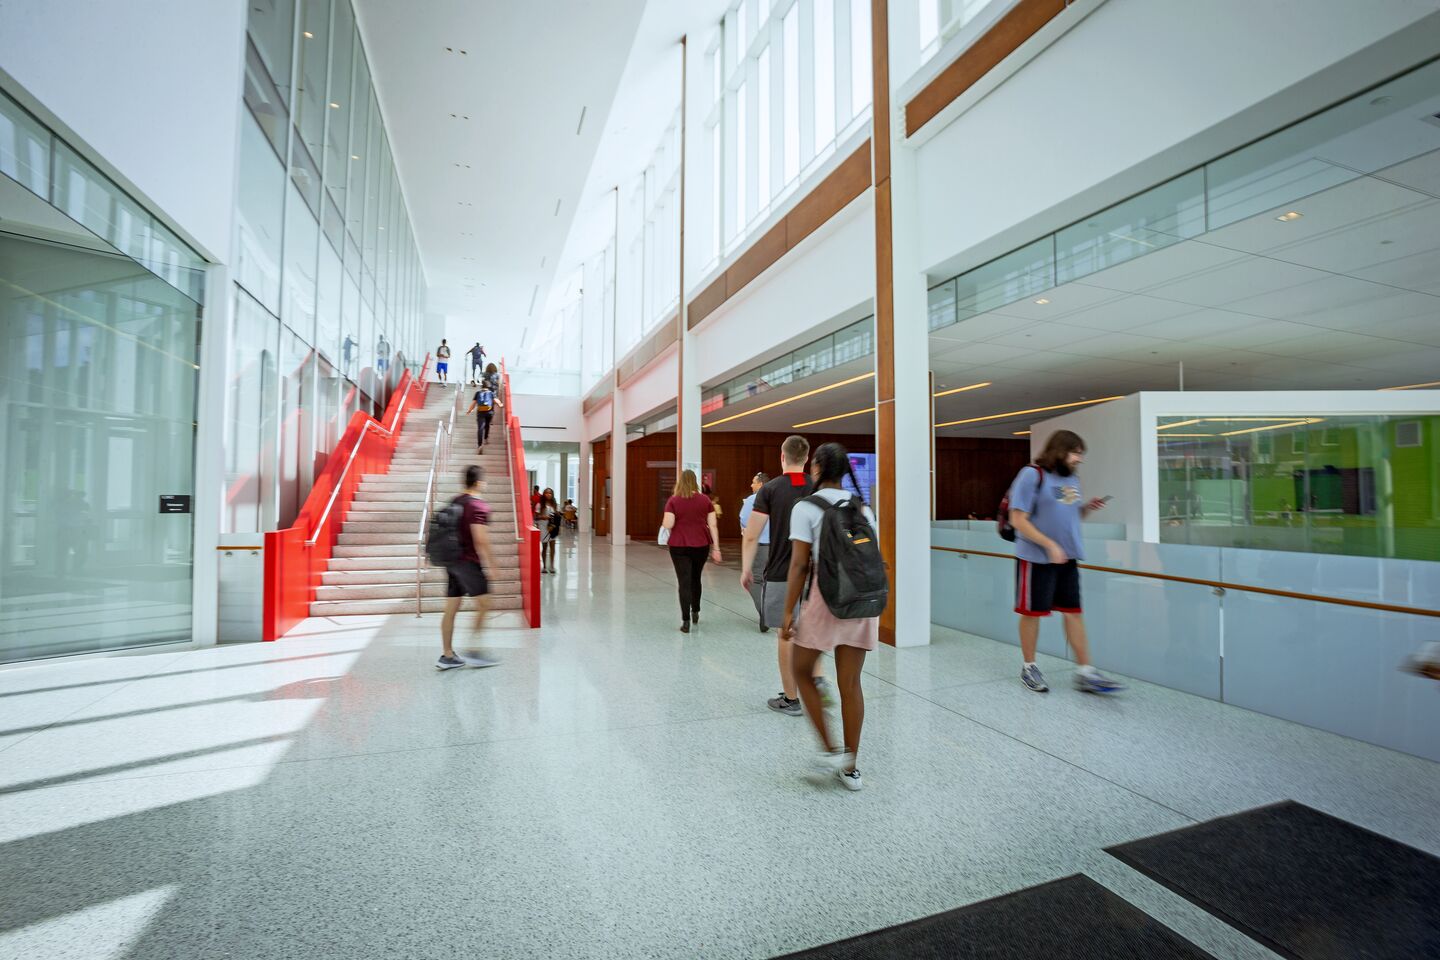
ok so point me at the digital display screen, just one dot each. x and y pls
(864, 466)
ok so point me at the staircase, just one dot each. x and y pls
(372, 569)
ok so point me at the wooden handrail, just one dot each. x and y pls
(1222, 585)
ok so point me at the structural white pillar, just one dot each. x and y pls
(582, 487)
(617, 465)
(913, 423)
(902, 376)
(208, 499)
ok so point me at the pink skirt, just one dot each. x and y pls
(819, 629)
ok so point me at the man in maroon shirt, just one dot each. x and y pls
(467, 577)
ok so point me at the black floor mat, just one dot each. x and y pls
(1307, 885)
(1070, 919)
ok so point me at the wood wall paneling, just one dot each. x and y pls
(1022, 22)
(972, 475)
(829, 197)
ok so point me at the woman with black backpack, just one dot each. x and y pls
(841, 523)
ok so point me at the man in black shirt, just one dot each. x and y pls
(773, 505)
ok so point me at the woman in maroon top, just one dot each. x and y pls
(690, 518)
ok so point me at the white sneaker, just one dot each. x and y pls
(832, 762)
(850, 780)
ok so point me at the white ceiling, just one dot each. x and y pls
(483, 192)
(1346, 297)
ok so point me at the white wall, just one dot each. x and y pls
(831, 272)
(1112, 435)
(152, 86)
(543, 417)
(654, 387)
(1137, 92)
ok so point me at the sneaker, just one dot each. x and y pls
(449, 663)
(1034, 679)
(1096, 682)
(783, 704)
(850, 779)
(695, 617)
(475, 660)
(827, 693)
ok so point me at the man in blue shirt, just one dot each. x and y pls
(762, 549)
(1046, 508)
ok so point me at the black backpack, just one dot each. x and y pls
(848, 567)
(442, 543)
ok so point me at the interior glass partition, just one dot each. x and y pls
(1352, 485)
(1388, 133)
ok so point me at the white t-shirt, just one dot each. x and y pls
(805, 518)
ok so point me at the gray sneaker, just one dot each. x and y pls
(1034, 679)
(783, 704)
(1096, 682)
(449, 663)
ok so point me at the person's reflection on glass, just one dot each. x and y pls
(347, 353)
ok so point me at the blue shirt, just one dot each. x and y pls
(745, 508)
(1054, 504)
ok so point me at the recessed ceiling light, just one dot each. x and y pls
(354, 156)
(334, 105)
(1042, 301)
(309, 35)
(1292, 215)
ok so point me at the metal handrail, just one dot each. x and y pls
(340, 480)
(439, 453)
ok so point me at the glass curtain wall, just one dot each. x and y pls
(329, 288)
(99, 313)
(789, 81)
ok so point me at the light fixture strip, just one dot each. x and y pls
(798, 396)
(1275, 426)
(1415, 386)
(838, 416)
(1018, 413)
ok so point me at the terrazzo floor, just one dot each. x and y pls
(613, 789)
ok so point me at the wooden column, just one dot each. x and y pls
(884, 297)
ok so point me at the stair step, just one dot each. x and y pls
(358, 608)
(402, 591)
(405, 540)
(404, 562)
(360, 578)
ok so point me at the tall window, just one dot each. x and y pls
(824, 73)
(860, 55)
(742, 158)
(762, 131)
(790, 31)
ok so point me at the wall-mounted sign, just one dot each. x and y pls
(174, 503)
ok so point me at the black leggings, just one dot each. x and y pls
(689, 561)
(482, 428)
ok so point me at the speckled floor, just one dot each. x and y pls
(613, 789)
